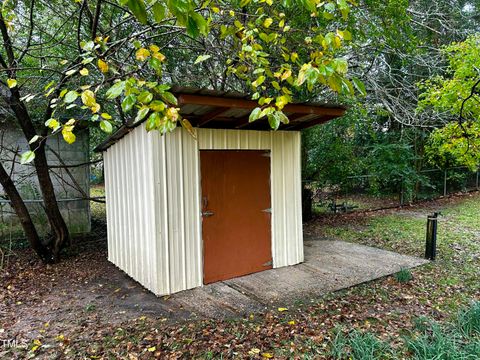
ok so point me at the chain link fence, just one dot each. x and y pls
(372, 192)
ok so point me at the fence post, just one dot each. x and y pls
(431, 238)
(402, 200)
(445, 184)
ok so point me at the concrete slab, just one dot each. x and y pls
(328, 266)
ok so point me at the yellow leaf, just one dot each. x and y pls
(291, 322)
(84, 72)
(172, 114)
(11, 83)
(159, 56)
(68, 135)
(152, 349)
(106, 116)
(142, 54)
(188, 126)
(254, 351)
(267, 355)
(37, 342)
(88, 98)
(102, 65)
(154, 48)
(286, 74)
(52, 124)
(282, 309)
(267, 22)
(95, 108)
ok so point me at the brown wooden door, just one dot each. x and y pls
(236, 221)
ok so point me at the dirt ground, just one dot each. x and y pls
(84, 307)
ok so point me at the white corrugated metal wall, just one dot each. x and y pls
(162, 241)
(131, 207)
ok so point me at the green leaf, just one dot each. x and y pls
(142, 113)
(145, 97)
(259, 81)
(273, 121)
(106, 126)
(160, 11)
(128, 103)
(34, 139)
(27, 157)
(281, 117)
(255, 114)
(202, 58)
(192, 27)
(70, 96)
(137, 7)
(360, 86)
(169, 98)
(157, 105)
(115, 90)
(153, 121)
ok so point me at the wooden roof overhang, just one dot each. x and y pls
(220, 110)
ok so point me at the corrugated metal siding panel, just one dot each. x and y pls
(178, 213)
(286, 199)
(130, 207)
(222, 139)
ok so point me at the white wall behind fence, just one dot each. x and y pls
(154, 195)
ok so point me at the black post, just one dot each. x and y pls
(307, 203)
(431, 243)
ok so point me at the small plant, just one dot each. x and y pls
(469, 320)
(90, 307)
(403, 276)
(458, 340)
(358, 345)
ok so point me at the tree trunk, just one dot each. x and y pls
(24, 216)
(55, 219)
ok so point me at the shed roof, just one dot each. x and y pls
(214, 109)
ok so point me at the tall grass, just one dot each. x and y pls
(459, 340)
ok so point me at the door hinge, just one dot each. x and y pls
(267, 154)
(269, 210)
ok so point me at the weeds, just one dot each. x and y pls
(403, 276)
(428, 340)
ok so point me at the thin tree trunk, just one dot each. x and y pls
(55, 219)
(24, 216)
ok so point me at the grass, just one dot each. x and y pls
(428, 340)
(98, 209)
(458, 244)
(403, 276)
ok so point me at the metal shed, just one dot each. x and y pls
(183, 212)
